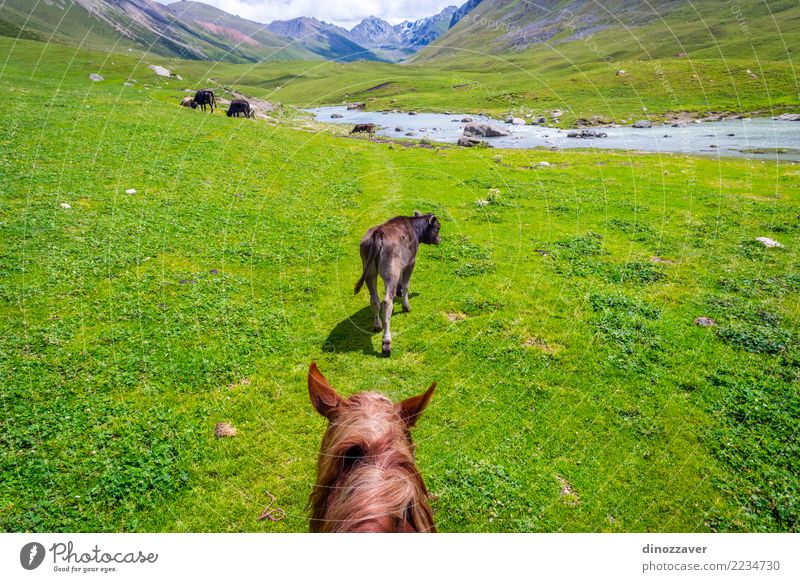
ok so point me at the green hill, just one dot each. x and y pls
(509, 33)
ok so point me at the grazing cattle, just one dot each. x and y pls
(364, 128)
(390, 250)
(240, 107)
(202, 98)
(187, 102)
(366, 477)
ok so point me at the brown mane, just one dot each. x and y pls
(366, 477)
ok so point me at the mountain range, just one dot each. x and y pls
(194, 30)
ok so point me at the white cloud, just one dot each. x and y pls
(345, 13)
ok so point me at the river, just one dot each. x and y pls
(757, 138)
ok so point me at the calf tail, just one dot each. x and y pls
(374, 251)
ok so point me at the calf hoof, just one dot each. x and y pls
(377, 327)
(386, 349)
(406, 308)
(386, 353)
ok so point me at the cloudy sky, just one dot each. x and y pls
(345, 13)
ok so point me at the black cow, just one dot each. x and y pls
(364, 128)
(202, 98)
(239, 107)
(390, 250)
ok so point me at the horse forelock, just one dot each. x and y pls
(366, 477)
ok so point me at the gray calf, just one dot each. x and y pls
(390, 250)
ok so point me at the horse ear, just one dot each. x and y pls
(431, 219)
(417, 213)
(411, 408)
(324, 398)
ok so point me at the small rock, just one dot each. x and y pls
(336, 115)
(705, 322)
(642, 124)
(768, 242)
(357, 106)
(160, 71)
(225, 429)
(130, 191)
(468, 142)
(65, 205)
(96, 77)
(543, 165)
(398, 129)
(467, 120)
(620, 72)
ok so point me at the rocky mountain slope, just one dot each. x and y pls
(616, 30)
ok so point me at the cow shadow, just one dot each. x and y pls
(354, 333)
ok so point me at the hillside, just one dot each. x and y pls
(326, 40)
(518, 33)
(250, 36)
(141, 25)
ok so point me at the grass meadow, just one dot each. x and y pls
(575, 392)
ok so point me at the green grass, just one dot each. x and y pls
(650, 89)
(574, 391)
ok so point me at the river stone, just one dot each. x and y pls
(483, 130)
(517, 121)
(642, 124)
(65, 205)
(788, 117)
(336, 115)
(468, 142)
(359, 106)
(96, 77)
(587, 134)
(467, 120)
(705, 322)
